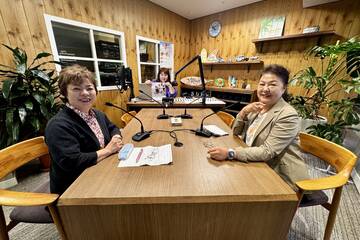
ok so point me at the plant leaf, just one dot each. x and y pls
(29, 105)
(40, 74)
(7, 84)
(22, 114)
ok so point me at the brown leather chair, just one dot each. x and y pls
(338, 157)
(31, 207)
(226, 117)
(126, 118)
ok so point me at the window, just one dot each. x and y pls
(99, 49)
(151, 55)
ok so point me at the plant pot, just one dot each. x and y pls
(45, 163)
(305, 123)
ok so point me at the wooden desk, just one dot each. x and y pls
(178, 103)
(194, 198)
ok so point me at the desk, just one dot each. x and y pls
(179, 102)
(194, 198)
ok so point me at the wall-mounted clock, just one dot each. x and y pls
(215, 28)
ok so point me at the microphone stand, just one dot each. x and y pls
(197, 57)
(185, 115)
(206, 133)
(160, 116)
(139, 136)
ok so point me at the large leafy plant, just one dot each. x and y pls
(340, 67)
(28, 97)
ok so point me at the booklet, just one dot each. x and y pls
(148, 155)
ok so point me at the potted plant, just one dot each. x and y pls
(28, 97)
(339, 72)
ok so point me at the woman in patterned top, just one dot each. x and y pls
(78, 136)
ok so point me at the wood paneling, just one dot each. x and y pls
(22, 25)
(242, 24)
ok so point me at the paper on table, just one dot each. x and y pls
(148, 155)
(215, 130)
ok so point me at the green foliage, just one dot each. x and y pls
(28, 97)
(340, 72)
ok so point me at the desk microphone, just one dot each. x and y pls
(160, 116)
(202, 131)
(185, 115)
(138, 136)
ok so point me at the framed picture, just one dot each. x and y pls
(272, 27)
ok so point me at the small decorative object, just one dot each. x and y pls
(212, 57)
(248, 86)
(311, 29)
(219, 82)
(232, 81)
(220, 60)
(254, 58)
(203, 55)
(243, 85)
(193, 81)
(215, 28)
(241, 58)
(272, 27)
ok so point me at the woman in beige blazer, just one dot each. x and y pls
(270, 128)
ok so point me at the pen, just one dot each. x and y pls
(139, 155)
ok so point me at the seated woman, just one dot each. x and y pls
(78, 136)
(270, 128)
(164, 78)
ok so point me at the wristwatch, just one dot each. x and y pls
(231, 154)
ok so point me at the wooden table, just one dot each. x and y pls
(193, 198)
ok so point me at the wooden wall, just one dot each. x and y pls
(241, 25)
(22, 24)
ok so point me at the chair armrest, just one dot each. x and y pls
(12, 198)
(323, 183)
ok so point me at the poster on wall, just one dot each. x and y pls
(166, 55)
(272, 27)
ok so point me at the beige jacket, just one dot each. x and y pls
(275, 142)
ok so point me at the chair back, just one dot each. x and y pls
(337, 156)
(18, 154)
(226, 117)
(126, 118)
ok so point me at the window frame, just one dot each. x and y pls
(48, 22)
(157, 59)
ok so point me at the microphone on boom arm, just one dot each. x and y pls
(160, 116)
(139, 135)
(202, 131)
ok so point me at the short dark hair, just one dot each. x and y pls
(74, 74)
(279, 71)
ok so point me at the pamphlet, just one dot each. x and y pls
(149, 155)
(215, 130)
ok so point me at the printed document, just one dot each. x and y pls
(148, 155)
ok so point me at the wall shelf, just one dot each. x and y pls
(319, 35)
(248, 63)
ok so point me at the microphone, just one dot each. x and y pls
(138, 136)
(185, 115)
(202, 131)
(160, 116)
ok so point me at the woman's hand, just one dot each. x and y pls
(251, 108)
(148, 82)
(113, 146)
(218, 153)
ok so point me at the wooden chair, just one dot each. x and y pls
(338, 157)
(226, 117)
(126, 118)
(31, 207)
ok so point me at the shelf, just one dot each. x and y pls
(220, 89)
(295, 36)
(248, 63)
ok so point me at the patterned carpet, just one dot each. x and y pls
(308, 223)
